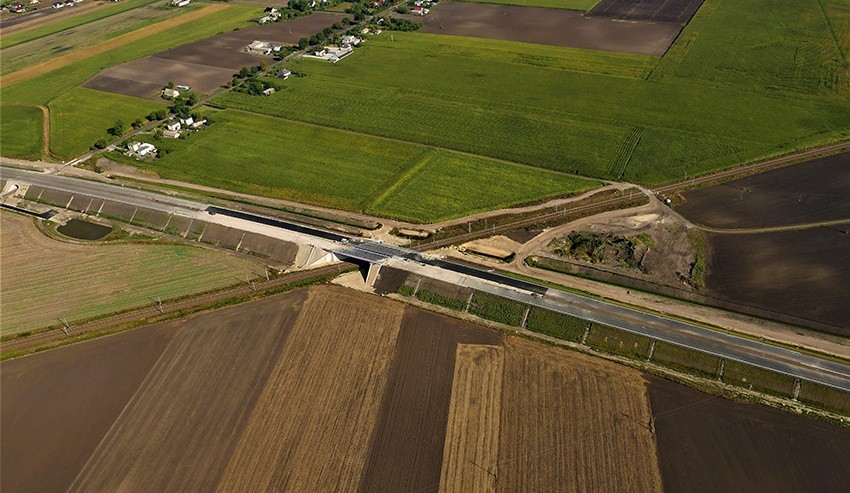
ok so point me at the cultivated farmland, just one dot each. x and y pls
(21, 128)
(323, 166)
(808, 192)
(65, 23)
(44, 47)
(588, 112)
(43, 88)
(708, 444)
(549, 27)
(80, 117)
(207, 64)
(678, 11)
(581, 5)
(793, 273)
(333, 389)
(45, 279)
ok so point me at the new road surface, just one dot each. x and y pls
(786, 361)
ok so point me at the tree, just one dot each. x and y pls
(117, 128)
(244, 72)
(170, 85)
(263, 66)
(303, 43)
(137, 123)
(100, 144)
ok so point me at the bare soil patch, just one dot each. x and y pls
(406, 453)
(57, 406)
(797, 273)
(549, 27)
(677, 11)
(803, 193)
(575, 422)
(207, 64)
(143, 78)
(710, 444)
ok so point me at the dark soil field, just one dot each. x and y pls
(57, 406)
(798, 273)
(326, 389)
(204, 65)
(709, 444)
(678, 11)
(817, 190)
(549, 27)
(416, 406)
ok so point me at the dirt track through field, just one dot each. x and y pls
(321, 400)
(104, 46)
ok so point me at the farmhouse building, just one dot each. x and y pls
(170, 93)
(171, 134)
(186, 121)
(180, 3)
(198, 124)
(263, 48)
(173, 126)
(268, 92)
(141, 149)
(284, 73)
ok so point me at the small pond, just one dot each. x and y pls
(84, 230)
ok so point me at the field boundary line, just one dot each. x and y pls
(105, 46)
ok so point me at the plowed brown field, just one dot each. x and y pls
(321, 399)
(574, 423)
(326, 389)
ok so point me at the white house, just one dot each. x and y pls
(263, 48)
(198, 124)
(268, 92)
(173, 126)
(141, 149)
(188, 121)
(171, 134)
(351, 40)
(180, 3)
(284, 73)
(170, 93)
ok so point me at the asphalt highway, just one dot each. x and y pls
(728, 346)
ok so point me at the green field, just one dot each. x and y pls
(65, 23)
(21, 131)
(582, 5)
(598, 114)
(43, 48)
(80, 117)
(45, 88)
(44, 279)
(762, 45)
(295, 161)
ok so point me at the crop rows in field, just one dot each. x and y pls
(797, 47)
(44, 279)
(41, 48)
(283, 159)
(570, 115)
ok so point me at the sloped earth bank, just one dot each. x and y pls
(326, 388)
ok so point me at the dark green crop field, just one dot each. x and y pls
(734, 88)
(277, 158)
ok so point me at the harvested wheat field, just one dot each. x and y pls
(328, 389)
